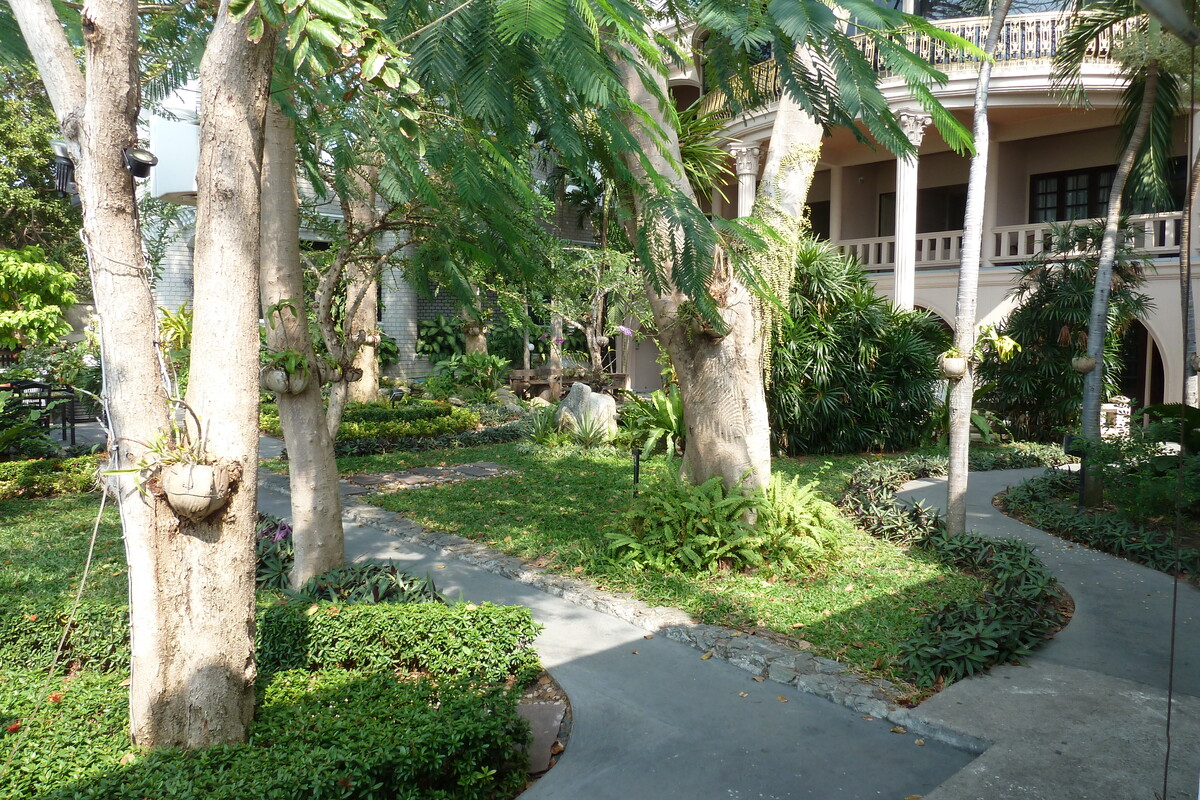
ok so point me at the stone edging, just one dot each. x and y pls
(815, 675)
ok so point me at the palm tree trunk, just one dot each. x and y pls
(962, 394)
(1093, 382)
(1191, 378)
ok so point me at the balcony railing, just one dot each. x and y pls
(1157, 236)
(1026, 39)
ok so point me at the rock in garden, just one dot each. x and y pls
(582, 402)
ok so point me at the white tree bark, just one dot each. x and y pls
(1191, 378)
(312, 471)
(792, 160)
(1093, 382)
(362, 296)
(191, 585)
(962, 394)
(209, 669)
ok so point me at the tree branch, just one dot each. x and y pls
(55, 61)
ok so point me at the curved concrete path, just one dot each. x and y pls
(661, 723)
(1085, 718)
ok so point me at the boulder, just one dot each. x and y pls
(582, 402)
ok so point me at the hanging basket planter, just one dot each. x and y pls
(953, 367)
(1083, 364)
(194, 491)
(280, 381)
(328, 373)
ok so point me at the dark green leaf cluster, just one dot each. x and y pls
(675, 526)
(849, 372)
(439, 338)
(369, 583)
(43, 477)
(655, 420)
(1037, 393)
(474, 373)
(1015, 614)
(1049, 502)
(423, 418)
(332, 734)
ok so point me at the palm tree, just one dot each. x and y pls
(962, 393)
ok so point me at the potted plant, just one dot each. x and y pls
(953, 364)
(283, 371)
(1083, 364)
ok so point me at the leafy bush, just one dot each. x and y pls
(34, 298)
(474, 373)
(372, 421)
(439, 338)
(324, 735)
(657, 420)
(1015, 614)
(501, 434)
(675, 526)
(543, 429)
(21, 431)
(1048, 502)
(800, 531)
(371, 583)
(849, 372)
(49, 476)
(1142, 479)
(275, 552)
(1038, 393)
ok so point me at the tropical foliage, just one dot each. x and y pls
(1037, 392)
(34, 298)
(849, 372)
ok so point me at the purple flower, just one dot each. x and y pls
(559, 341)
(624, 330)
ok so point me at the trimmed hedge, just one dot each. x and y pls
(1047, 502)
(1018, 610)
(426, 418)
(501, 434)
(317, 736)
(44, 477)
(485, 643)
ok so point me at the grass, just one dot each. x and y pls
(558, 505)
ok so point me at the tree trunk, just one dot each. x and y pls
(474, 328)
(312, 470)
(362, 296)
(555, 359)
(962, 394)
(720, 377)
(1093, 382)
(1191, 375)
(191, 585)
(207, 668)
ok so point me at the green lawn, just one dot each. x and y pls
(557, 506)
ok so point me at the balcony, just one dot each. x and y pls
(1028, 39)
(1157, 237)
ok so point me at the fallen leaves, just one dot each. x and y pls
(898, 729)
(782, 699)
(919, 742)
(707, 656)
(743, 694)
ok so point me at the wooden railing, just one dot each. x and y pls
(1157, 236)
(1026, 39)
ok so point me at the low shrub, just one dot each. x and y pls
(326, 734)
(48, 476)
(1018, 609)
(412, 420)
(1048, 502)
(656, 420)
(369, 582)
(675, 526)
(374, 445)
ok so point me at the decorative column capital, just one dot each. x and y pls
(746, 160)
(913, 123)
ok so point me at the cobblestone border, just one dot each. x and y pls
(822, 677)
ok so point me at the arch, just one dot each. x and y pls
(1143, 376)
(945, 317)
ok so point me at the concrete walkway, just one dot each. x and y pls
(1086, 716)
(652, 719)
(1085, 719)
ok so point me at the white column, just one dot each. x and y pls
(913, 123)
(746, 161)
(836, 176)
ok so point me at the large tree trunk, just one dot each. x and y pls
(362, 296)
(962, 393)
(720, 377)
(1093, 382)
(1191, 370)
(191, 585)
(207, 661)
(312, 470)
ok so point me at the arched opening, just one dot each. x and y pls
(1142, 379)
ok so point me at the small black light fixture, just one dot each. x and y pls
(139, 161)
(637, 467)
(64, 168)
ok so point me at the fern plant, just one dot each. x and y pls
(800, 531)
(675, 526)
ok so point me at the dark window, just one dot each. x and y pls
(939, 208)
(1083, 194)
(887, 214)
(818, 218)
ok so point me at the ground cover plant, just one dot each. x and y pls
(333, 720)
(1050, 502)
